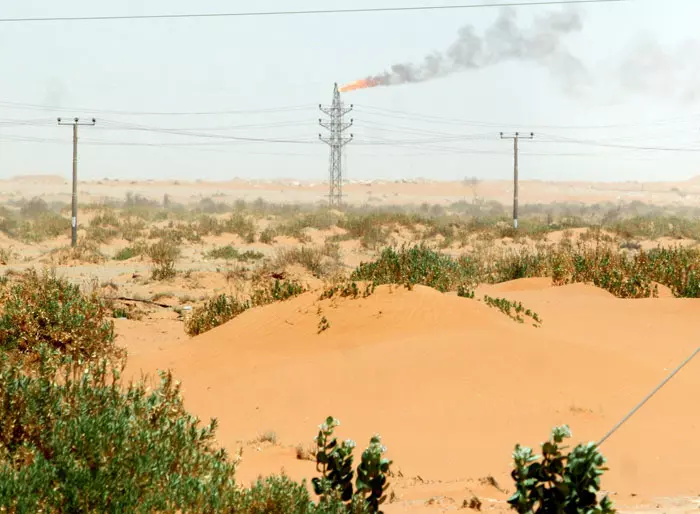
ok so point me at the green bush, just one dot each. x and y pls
(41, 309)
(413, 266)
(677, 267)
(79, 440)
(126, 253)
(556, 483)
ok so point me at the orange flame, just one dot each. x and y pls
(359, 84)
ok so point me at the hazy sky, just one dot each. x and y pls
(626, 77)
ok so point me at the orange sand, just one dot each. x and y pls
(452, 385)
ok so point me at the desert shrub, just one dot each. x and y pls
(519, 264)
(623, 276)
(348, 289)
(228, 252)
(278, 292)
(42, 309)
(412, 266)
(85, 251)
(34, 208)
(106, 218)
(311, 258)
(208, 225)
(131, 229)
(369, 229)
(164, 253)
(43, 226)
(176, 233)
(101, 234)
(559, 483)
(135, 250)
(677, 267)
(267, 236)
(222, 308)
(215, 311)
(86, 442)
(209, 206)
(294, 228)
(238, 224)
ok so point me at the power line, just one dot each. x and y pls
(54, 108)
(397, 114)
(302, 12)
(560, 139)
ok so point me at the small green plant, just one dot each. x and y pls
(513, 310)
(465, 292)
(323, 324)
(120, 313)
(126, 253)
(372, 475)
(556, 483)
(334, 461)
(348, 290)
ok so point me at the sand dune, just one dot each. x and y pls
(452, 384)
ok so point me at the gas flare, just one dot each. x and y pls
(359, 84)
(503, 41)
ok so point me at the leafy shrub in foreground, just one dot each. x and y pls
(77, 440)
(334, 461)
(556, 483)
(42, 309)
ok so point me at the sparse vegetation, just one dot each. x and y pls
(230, 253)
(513, 310)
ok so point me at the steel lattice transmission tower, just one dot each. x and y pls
(337, 141)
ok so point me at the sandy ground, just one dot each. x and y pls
(452, 385)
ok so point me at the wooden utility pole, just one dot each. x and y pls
(516, 137)
(74, 200)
